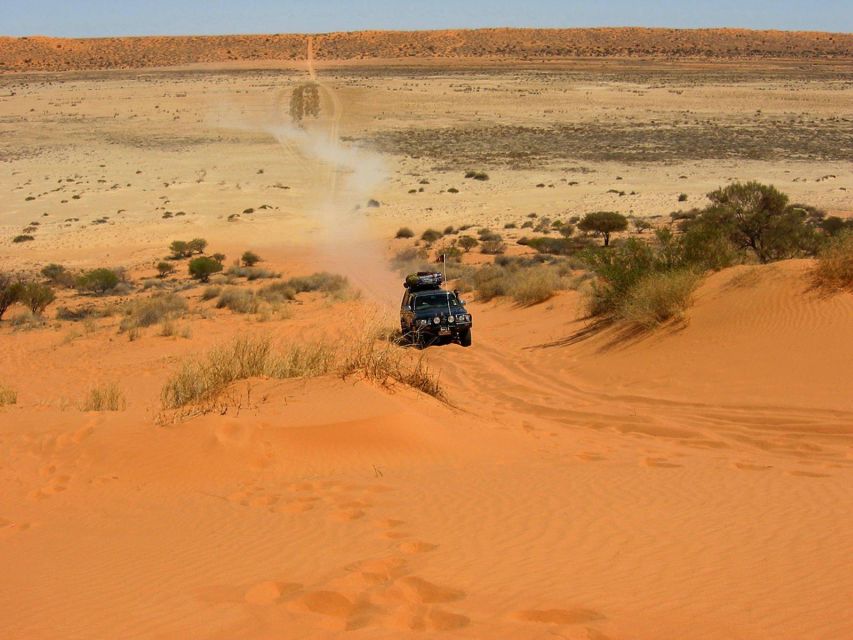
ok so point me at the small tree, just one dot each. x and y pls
(567, 230)
(58, 275)
(165, 268)
(202, 268)
(641, 224)
(180, 249)
(36, 296)
(219, 257)
(250, 259)
(430, 235)
(467, 243)
(759, 218)
(197, 245)
(98, 281)
(603, 223)
(10, 292)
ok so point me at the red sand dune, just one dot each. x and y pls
(37, 53)
(687, 484)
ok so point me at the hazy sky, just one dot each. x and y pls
(142, 17)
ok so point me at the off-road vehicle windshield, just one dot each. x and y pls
(440, 299)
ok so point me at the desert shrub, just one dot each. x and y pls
(833, 225)
(641, 224)
(706, 245)
(534, 285)
(510, 225)
(149, 311)
(80, 313)
(10, 292)
(618, 270)
(658, 297)
(566, 230)
(250, 259)
(238, 300)
(277, 292)
(58, 275)
(252, 273)
(835, 263)
(404, 232)
(603, 223)
(552, 246)
(492, 247)
(757, 218)
(36, 296)
(449, 230)
(24, 237)
(98, 281)
(385, 363)
(430, 235)
(104, 398)
(682, 197)
(165, 268)
(321, 281)
(219, 257)
(202, 379)
(467, 243)
(202, 268)
(7, 396)
(180, 249)
(210, 293)
(525, 281)
(527, 224)
(197, 245)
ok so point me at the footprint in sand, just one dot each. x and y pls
(589, 456)
(420, 618)
(750, 466)
(269, 592)
(416, 546)
(808, 474)
(558, 616)
(661, 463)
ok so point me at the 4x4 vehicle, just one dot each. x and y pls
(430, 314)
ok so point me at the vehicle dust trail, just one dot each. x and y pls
(341, 179)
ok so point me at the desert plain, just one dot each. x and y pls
(559, 479)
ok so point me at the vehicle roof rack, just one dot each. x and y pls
(423, 281)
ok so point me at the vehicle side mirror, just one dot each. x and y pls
(463, 302)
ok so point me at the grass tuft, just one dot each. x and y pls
(659, 297)
(104, 398)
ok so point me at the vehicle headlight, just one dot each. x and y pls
(450, 319)
(422, 322)
(463, 318)
(436, 320)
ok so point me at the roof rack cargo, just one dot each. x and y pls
(423, 281)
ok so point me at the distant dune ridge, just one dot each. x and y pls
(39, 53)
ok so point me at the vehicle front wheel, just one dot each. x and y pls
(465, 338)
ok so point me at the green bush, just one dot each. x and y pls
(24, 237)
(202, 268)
(250, 259)
(430, 235)
(467, 243)
(58, 275)
(36, 296)
(180, 249)
(603, 223)
(10, 292)
(757, 218)
(164, 269)
(197, 245)
(98, 281)
(404, 232)
(658, 297)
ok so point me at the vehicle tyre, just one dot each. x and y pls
(465, 338)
